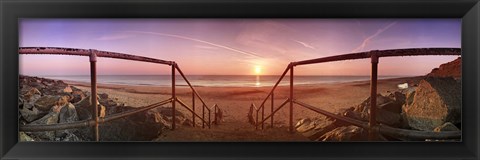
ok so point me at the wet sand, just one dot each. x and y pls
(235, 103)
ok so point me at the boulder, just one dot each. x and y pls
(86, 102)
(435, 102)
(103, 96)
(31, 114)
(67, 114)
(77, 95)
(50, 118)
(345, 133)
(24, 137)
(446, 127)
(143, 126)
(314, 128)
(30, 94)
(45, 103)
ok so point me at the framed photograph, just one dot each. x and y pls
(308, 79)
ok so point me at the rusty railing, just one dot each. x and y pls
(372, 126)
(93, 54)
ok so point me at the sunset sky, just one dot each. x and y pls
(235, 46)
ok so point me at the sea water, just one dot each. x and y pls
(214, 80)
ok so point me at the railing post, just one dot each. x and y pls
(291, 97)
(271, 111)
(256, 118)
(209, 120)
(203, 116)
(93, 84)
(215, 114)
(174, 97)
(263, 115)
(373, 95)
(193, 108)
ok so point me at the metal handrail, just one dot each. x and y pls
(397, 132)
(196, 94)
(93, 54)
(374, 55)
(89, 122)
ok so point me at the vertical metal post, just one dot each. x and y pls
(209, 120)
(174, 98)
(93, 96)
(203, 116)
(291, 97)
(271, 112)
(193, 106)
(373, 94)
(215, 114)
(263, 115)
(256, 118)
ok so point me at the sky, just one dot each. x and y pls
(235, 46)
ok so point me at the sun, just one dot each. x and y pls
(258, 70)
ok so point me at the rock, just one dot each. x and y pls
(67, 114)
(108, 102)
(446, 127)
(24, 137)
(389, 118)
(345, 133)
(31, 114)
(394, 106)
(30, 94)
(45, 103)
(71, 138)
(77, 95)
(102, 112)
(320, 127)
(51, 118)
(83, 113)
(364, 107)
(304, 125)
(103, 96)
(86, 103)
(143, 126)
(450, 69)
(436, 101)
(67, 89)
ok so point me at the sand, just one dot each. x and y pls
(236, 101)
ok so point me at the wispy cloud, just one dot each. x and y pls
(305, 44)
(369, 38)
(205, 47)
(114, 37)
(200, 41)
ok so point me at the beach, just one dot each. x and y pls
(235, 103)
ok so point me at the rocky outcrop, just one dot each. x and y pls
(45, 101)
(435, 102)
(450, 69)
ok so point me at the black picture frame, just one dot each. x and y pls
(11, 11)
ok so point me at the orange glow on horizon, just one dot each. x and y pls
(258, 70)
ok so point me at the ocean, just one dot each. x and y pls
(214, 80)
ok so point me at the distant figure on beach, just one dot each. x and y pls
(219, 116)
(250, 116)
